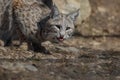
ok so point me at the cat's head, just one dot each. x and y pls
(60, 26)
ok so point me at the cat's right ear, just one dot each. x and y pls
(74, 14)
(54, 12)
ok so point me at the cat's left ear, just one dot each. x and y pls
(74, 14)
(55, 12)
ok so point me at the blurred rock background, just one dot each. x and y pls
(104, 19)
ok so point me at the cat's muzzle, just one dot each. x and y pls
(61, 38)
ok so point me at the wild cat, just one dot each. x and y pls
(38, 23)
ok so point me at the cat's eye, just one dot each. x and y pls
(58, 26)
(67, 28)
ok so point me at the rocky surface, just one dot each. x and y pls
(83, 59)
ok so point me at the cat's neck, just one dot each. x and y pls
(42, 24)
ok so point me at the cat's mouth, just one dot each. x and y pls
(61, 39)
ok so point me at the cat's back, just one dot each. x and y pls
(27, 13)
(30, 8)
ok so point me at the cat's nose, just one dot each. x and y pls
(62, 34)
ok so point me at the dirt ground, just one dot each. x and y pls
(88, 55)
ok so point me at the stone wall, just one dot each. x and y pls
(104, 19)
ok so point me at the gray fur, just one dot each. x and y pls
(38, 22)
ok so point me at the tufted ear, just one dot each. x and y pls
(55, 12)
(74, 15)
(49, 3)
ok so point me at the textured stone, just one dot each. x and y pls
(31, 68)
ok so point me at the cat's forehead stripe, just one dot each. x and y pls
(63, 19)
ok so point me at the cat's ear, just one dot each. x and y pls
(55, 12)
(74, 15)
(49, 3)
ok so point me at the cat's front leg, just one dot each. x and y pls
(39, 48)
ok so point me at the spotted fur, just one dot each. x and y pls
(38, 22)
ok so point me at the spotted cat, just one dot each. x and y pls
(38, 23)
